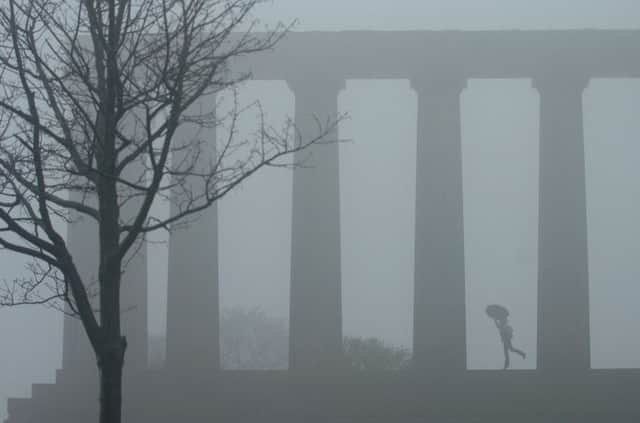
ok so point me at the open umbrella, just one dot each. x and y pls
(496, 311)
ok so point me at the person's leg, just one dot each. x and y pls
(519, 352)
(506, 356)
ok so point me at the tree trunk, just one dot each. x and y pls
(111, 361)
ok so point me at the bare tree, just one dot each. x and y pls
(92, 95)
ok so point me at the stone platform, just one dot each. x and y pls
(280, 396)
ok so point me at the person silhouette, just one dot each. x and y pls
(500, 316)
(506, 335)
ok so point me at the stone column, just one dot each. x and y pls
(315, 340)
(193, 300)
(82, 238)
(439, 328)
(563, 281)
(79, 363)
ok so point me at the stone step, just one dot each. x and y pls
(43, 390)
(20, 410)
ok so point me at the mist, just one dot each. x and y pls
(500, 153)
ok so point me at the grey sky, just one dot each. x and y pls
(378, 171)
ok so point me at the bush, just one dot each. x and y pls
(253, 340)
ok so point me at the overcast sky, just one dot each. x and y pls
(500, 160)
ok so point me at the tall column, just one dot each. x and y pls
(439, 327)
(563, 281)
(193, 299)
(315, 340)
(79, 363)
(84, 245)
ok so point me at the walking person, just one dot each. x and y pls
(500, 316)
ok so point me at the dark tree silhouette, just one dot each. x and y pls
(92, 98)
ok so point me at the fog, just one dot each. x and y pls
(500, 150)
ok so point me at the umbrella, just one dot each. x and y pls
(496, 311)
